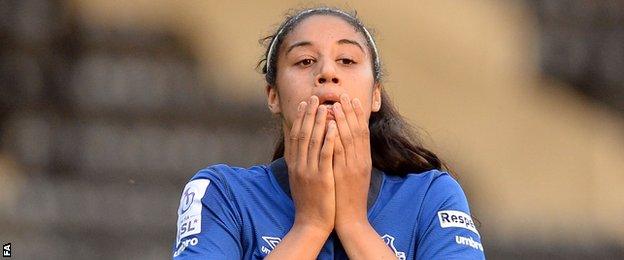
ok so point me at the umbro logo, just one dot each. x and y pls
(271, 242)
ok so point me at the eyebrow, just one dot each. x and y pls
(298, 44)
(307, 43)
(347, 41)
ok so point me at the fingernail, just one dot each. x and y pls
(336, 106)
(332, 123)
(301, 105)
(356, 102)
(314, 100)
(321, 109)
(344, 97)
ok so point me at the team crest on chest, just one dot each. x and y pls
(390, 242)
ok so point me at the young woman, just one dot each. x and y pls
(348, 180)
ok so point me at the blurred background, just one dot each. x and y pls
(108, 107)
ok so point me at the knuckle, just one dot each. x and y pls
(301, 136)
(364, 132)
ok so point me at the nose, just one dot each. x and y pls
(322, 80)
(327, 74)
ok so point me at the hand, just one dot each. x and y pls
(309, 154)
(352, 163)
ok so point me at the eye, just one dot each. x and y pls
(305, 62)
(346, 61)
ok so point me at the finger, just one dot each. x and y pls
(339, 152)
(362, 130)
(290, 142)
(303, 137)
(347, 108)
(343, 130)
(352, 121)
(327, 152)
(316, 139)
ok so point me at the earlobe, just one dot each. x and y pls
(273, 99)
(376, 104)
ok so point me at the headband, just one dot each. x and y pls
(296, 17)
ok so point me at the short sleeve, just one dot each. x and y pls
(447, 230)
(207, 226)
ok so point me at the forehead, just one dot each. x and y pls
(322, 28)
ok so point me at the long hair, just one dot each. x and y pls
(395, 148)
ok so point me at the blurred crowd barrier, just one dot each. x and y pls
(108, 107)
(101, 128)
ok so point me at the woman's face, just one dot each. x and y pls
(323, 56)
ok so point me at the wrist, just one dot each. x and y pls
(353, 225)
(315, 232)
(303, 241)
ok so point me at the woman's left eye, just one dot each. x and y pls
(346, 61)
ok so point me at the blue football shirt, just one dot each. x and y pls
(236, 213)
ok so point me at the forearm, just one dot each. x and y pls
(301, 242)
(361, 241)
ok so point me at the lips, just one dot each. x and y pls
(328, 100)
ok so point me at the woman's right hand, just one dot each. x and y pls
(309, 153)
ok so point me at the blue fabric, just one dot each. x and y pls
(244, 214)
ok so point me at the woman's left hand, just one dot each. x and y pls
(352, 170)
(352, 163)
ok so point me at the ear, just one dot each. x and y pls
(376, 102)
(273, 99)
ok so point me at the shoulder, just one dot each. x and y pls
(428, 192)
(436, 193)
(227, 174)
(432, 184)
(231, 180)
(438, 190)
(445, 201)
(440, 185)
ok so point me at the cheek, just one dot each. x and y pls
(293, 90)
(362, 87)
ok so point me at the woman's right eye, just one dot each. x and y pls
(305, 62)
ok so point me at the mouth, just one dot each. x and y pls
(328, 100)
(328, 103)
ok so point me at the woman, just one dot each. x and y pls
(348, 179)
